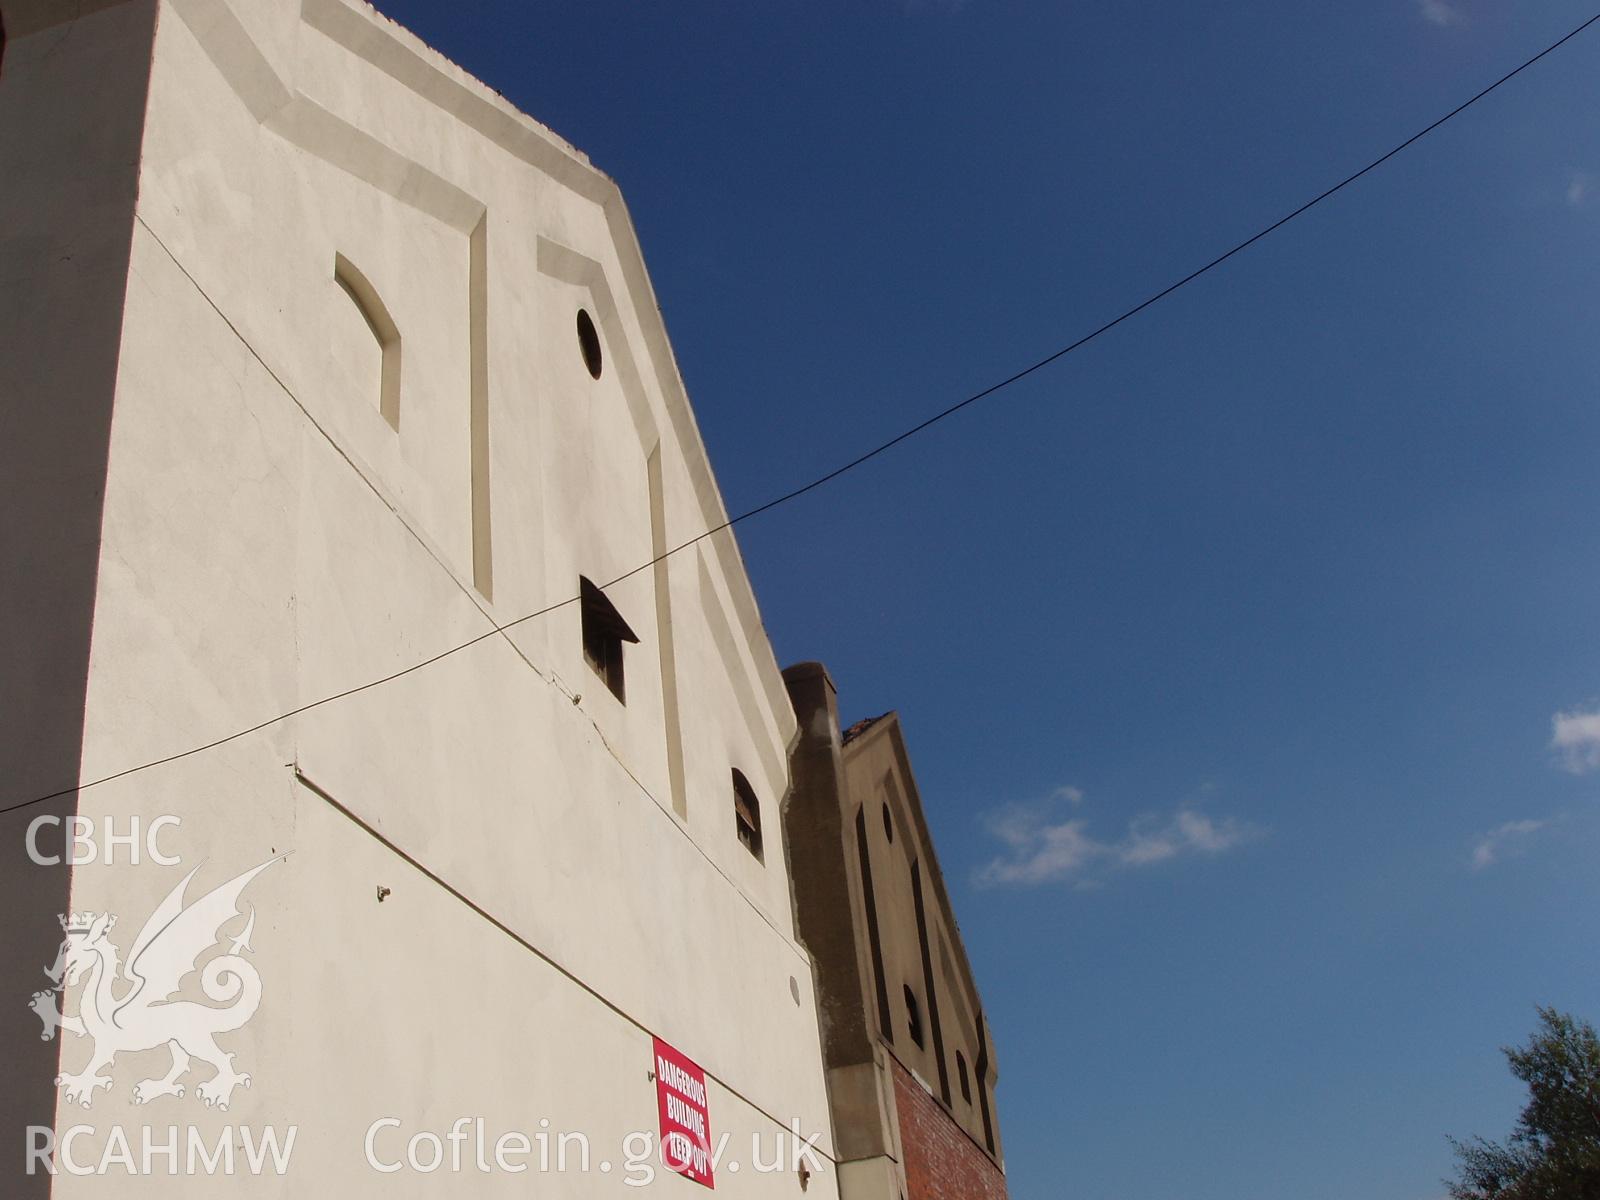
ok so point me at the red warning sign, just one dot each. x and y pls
(685, 1115)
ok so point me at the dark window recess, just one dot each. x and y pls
(874, 938)
(888, 824)
(982, 1068)
(589, 344)
(961, 1070)
(913, 1015)
(928, 986)
(604, 631)
(747, 814)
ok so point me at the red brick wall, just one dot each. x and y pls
(941, 1162)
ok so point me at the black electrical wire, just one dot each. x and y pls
(854, 462)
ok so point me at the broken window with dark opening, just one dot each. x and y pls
(747, 814)
(604, 632)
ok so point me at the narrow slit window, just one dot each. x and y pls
(913, 1016)
(747, 815)
(604, 632)
(981, 1070)
(384, 331)
(874, 934)
(961, 1070)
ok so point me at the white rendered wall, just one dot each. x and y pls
(269, 539)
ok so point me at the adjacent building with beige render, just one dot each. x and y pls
(909, 1052)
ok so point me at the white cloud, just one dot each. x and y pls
(1575, 736)
(1578, 189)
(1042, 847)
(1039, 851)
(1437, 12)
(1487, 851)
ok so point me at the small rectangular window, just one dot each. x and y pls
(747, 814)
(604, 632)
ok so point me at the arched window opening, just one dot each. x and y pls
(384, 331)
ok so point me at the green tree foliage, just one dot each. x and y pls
(1554, 1153)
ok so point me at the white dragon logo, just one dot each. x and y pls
(144, 1016)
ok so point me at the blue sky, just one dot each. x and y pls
(1247, 655)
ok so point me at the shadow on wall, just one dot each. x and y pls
(72, 102)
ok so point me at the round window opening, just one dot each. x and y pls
(589, 343)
